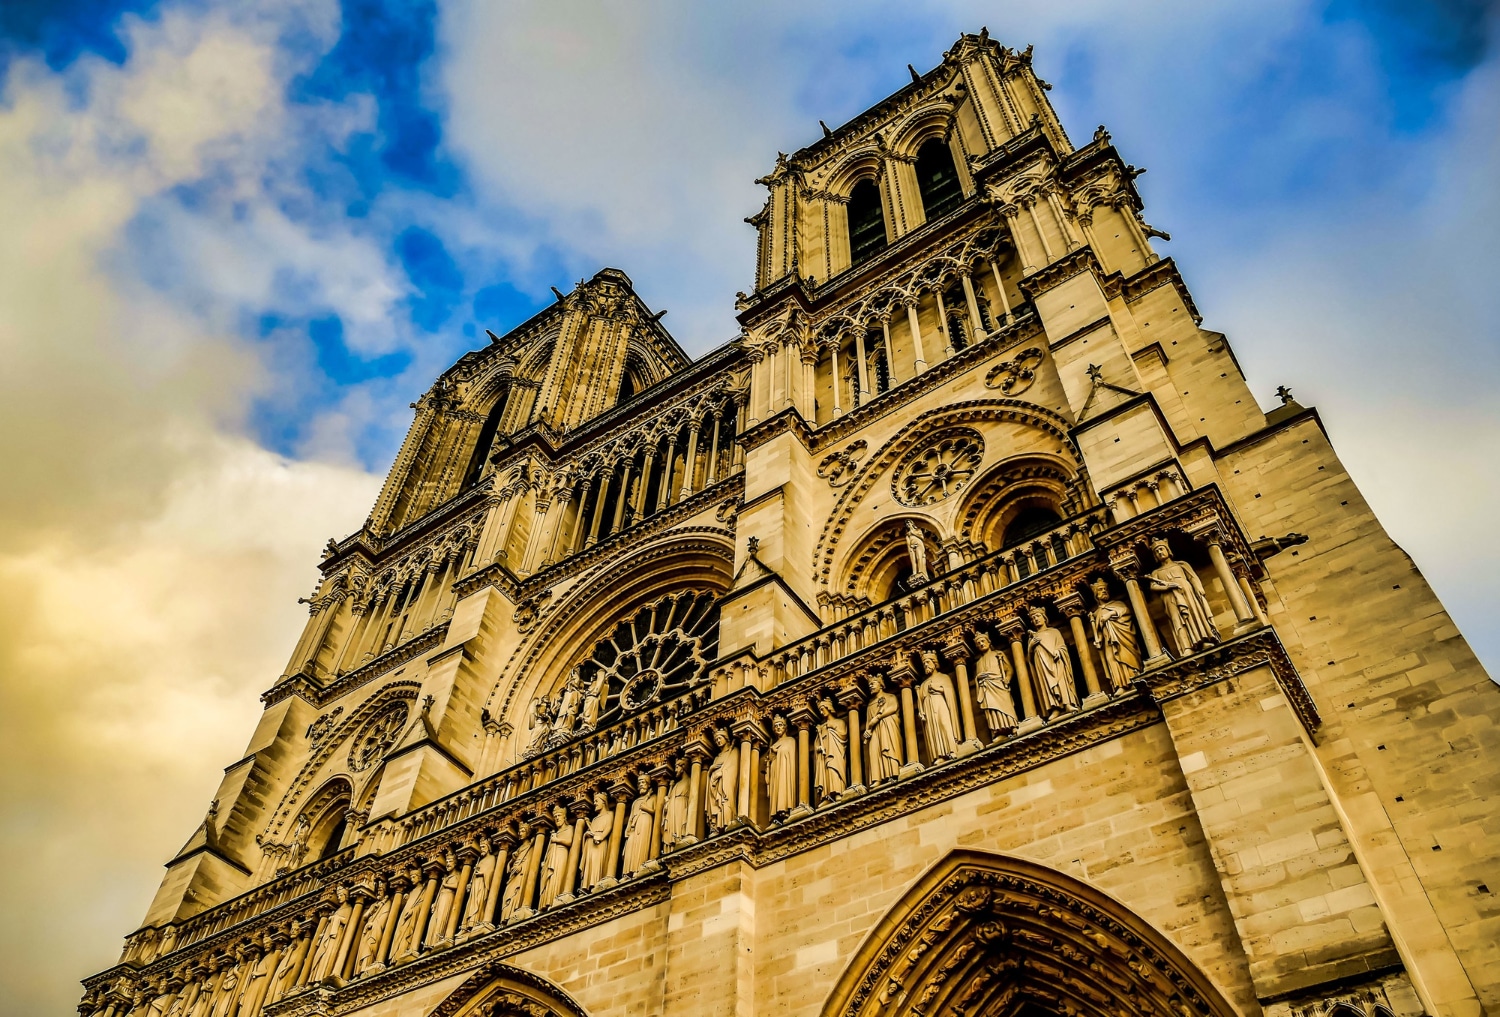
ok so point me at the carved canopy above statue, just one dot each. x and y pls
(987, 935)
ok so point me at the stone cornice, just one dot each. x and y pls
(302, 687)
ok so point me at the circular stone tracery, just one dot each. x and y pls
(371, 744)
(940, 468)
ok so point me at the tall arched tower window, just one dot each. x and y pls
(486, 439)
(937, 179)
(866, 222)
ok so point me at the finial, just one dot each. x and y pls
(752, 545)
(1096, 373)
(1284, 393)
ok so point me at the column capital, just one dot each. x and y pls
(1011, 628)
(1071, 605)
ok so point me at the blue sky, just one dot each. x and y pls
(237, 241)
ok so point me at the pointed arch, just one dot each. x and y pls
(990, 935)
(503, 990)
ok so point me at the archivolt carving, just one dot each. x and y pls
(377, 704)
(975, 411)
(500, 990)
(981, 934)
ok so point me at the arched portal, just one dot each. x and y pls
(988, 935)
(500, 990)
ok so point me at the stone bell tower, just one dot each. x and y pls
(959, 639)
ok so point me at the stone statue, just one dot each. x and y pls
(638, 826)
(722, 801)
(286, 968)
(542, 713)
(1188, 613)
(916, 547)
(515, 876)
(555, 863)
(480, 881)
(594, 698)
(375, 919)
(781, 769)
(259, 979)
(569, 703)
(1050, 666)
(297, 849)
(595, 854)
(992, 675)
(831, 755)
(443, 902)
(937, 709)
(882, 733)
(1115, 637)
(228, 989)
(404, 942)
(677, 822)
(325, 951)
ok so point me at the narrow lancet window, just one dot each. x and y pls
(866, 222)
(937, 179)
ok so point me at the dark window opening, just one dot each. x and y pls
(1030, 522)
(937, 179)
(627, 388)
(866, 222)
(335, 838)
(486, 439)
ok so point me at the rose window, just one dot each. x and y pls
(660, 652)
(371, 745)
(941, 468)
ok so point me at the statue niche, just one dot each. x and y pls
(656, 654)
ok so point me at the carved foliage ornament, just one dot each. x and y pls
(372, 743)
(1015, 375)
(942, 467)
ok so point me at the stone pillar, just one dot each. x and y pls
(976, 322)
(542, 826)
(492, 894)
(580, 816)
(660, 778)
(833, 354)
(1012, 216)
(903, 677)
(920, 357)
(466, 858)
(1128, 569)
(619, 795)
(802, 718)
(1000, 289)
(344, 960)
(944, 328)
(864, 369)
(1213, 537)
(1029, 202)
(850, 699)
(696, 753)
(599, 485)
(712, 476)
(1015, 632)
(957, 651)
(1071, 605)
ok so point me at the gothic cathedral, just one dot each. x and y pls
(960, 639)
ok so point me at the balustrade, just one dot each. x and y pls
(993, 650)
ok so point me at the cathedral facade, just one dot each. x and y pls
(960, 639)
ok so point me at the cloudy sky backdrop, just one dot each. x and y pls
(237, 240)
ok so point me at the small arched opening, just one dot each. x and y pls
(866, 222)
(937, 179)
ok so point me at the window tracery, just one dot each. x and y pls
(658, 653)
(941, 468)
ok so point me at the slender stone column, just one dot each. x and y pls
(802, 718)
(304, 966)
(1012, 216)
(945, 328)
(582, 489)
(1063, 226)
(695, 794)
(890, 360)
(958, 652)
(1000, 288)
(659, 780)
(916, 337)
(492, 892)
(713, 455)
(466, 856)
(543, 825)
(903, 677)
(690, 467)
(864, 370)
(620, 797)
(1128, 569)
(1253, 600)
(976, 322)
(1015, 632)
(570, 877)
(345, 957)
(833, 353)
(622, 497)
(648, 466)
(434, 873)
(1244, 618)
(1041, 234)
(601, 490)
(850, 699)
(1071, 606)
